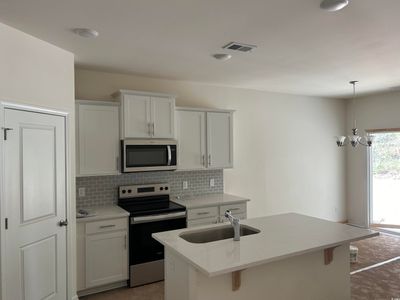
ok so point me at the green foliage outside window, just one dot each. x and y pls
(386, 155)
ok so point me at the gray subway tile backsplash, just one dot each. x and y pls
(103, 190)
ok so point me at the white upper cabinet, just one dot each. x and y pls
(146, 115)
(191, 131)
(163, 112)
(219, 139)
(136, 112)
(97, 136)
(205, 138)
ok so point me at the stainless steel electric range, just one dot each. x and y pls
(150, 211)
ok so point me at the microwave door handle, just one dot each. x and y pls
(169, 155)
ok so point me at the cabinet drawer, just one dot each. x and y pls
(237, 208)
(107, 225)
(204, 221)
(203, 212)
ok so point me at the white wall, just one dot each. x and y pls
(39, 74)
(285, 156)
(372, 112)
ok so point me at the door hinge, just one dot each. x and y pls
(5, 129)
(6, 223)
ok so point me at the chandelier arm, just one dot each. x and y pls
(345, 143)
(361, 143)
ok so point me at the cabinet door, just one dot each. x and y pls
(191, 127)
(219, 140)
(162, 115)
(136, 116)
(98, 139)
(106, 258)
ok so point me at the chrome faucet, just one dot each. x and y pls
(235, 222)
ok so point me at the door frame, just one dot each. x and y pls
(69, 209)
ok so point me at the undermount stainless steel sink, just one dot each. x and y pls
(216, 234)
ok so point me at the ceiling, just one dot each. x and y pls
(301, 49)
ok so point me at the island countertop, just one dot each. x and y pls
(280, 237)
(205, 200)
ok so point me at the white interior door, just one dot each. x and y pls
(191, 129)
(219, 139)
(35, 202)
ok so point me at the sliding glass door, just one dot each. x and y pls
(385, 179)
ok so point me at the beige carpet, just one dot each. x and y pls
(382, 282)
(375, 250)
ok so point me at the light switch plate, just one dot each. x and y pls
(81, 192)
(184, 185)
(212, 182)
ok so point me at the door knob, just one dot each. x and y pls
(63, 223)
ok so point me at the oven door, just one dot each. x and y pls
(148, 155)
(146, 255)
(144, 247)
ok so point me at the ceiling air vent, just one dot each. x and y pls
(239, 47)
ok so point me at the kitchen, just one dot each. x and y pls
(174, 127)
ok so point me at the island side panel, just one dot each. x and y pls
(180, 278)
(304, 277)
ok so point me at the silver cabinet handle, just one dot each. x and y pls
(117, 159)
(209, 159)
(204, 160)
(107, 226)
(63, 223)
(233, 209)
(149, 128)
(203, 213)
(126, 237)
(152, 126)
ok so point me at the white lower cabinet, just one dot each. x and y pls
(102, 254)
(215, 214)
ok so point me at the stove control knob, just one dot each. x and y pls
(166, 188)
(129, 191)
(161, 188)
(123, 191)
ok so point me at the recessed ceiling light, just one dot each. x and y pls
(333, 5)
(86, 32)
(222, 56)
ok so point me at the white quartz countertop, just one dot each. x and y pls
(104, 213)
(209, 200)
(281, 236)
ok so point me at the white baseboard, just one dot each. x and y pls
(102, 288)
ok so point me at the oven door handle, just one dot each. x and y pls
(155, 218)
(169, 155)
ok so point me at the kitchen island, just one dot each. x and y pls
(291, 257)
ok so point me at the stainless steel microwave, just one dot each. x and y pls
(148, 155)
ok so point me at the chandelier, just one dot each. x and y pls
(354, 140)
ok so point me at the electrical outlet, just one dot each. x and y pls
(184, 185)
(212, 182)
(81, 192)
